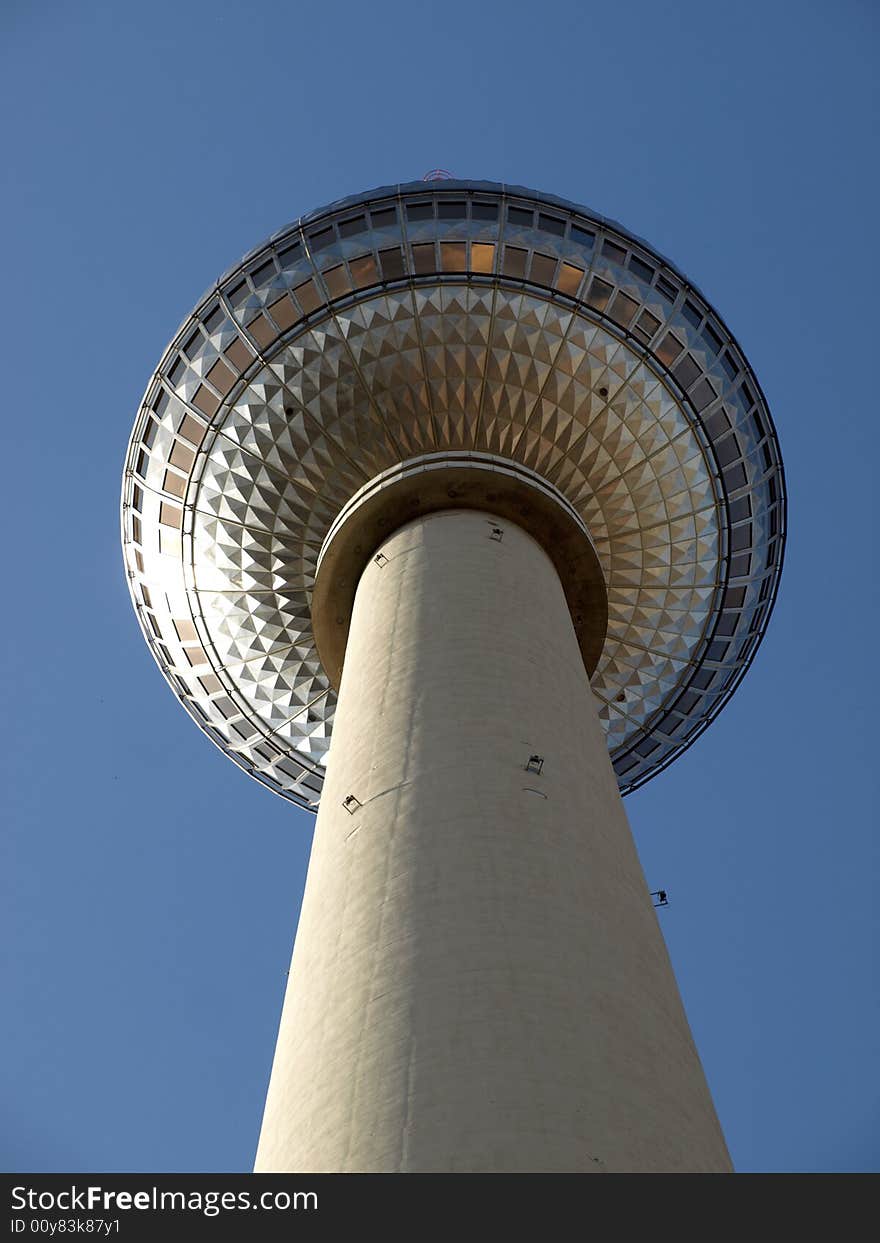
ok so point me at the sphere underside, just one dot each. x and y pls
(460, 317)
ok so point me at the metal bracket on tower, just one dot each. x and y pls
(535, 764)
(660, 895)
(351, 804)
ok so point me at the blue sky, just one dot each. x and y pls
(150, 891)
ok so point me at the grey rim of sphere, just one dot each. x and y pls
(455, 316)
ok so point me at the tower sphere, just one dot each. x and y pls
(443, 326)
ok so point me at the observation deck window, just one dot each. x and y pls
(519, 216)
(383, 217)
(610, 250)
(484, 211)
(551, 224)
(641, 269)
(352, 226)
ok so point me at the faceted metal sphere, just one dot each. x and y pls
(451, 315)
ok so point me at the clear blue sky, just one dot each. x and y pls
(150, 889)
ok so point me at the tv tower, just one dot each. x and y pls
(453, 512)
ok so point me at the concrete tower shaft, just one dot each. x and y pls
(479, 981)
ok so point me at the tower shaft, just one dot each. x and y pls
(479, 981)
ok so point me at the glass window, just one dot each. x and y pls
(515, 262)
(238, 293)
(420, 211)
(600, 293)
(225, 705)
(221, 377)
(727, 450)
(364, 271)
(337, 282)
(692, 314)
(392, 264)
(174, 484)
(205, 401)
(482, 256)
(191, 430)
(239, 354)
(321, 239)
(582, 236)
(290, 255)
(641, 269)
(423, 258)
(519, 216)
(307, 296)
(186, 631)
(686, 371)
(623, 310)
(170, 515)
(612, 251)
(712, 337)
(703, 394)
(569, 279)
(484, 211)
(452, 256)
(383, 217)
(666, 289)
(283, 313)
(214, 319)
(730, 367)
(687, 702)
(646, 747)
(543, 269)
(193, 344)
(551, 224)
(181, 456)
(741, 509)
(263, 273)
(447, 210)
(717, 424)
(669, 349)
(261, 330)
(625, 764)
(352, 226)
